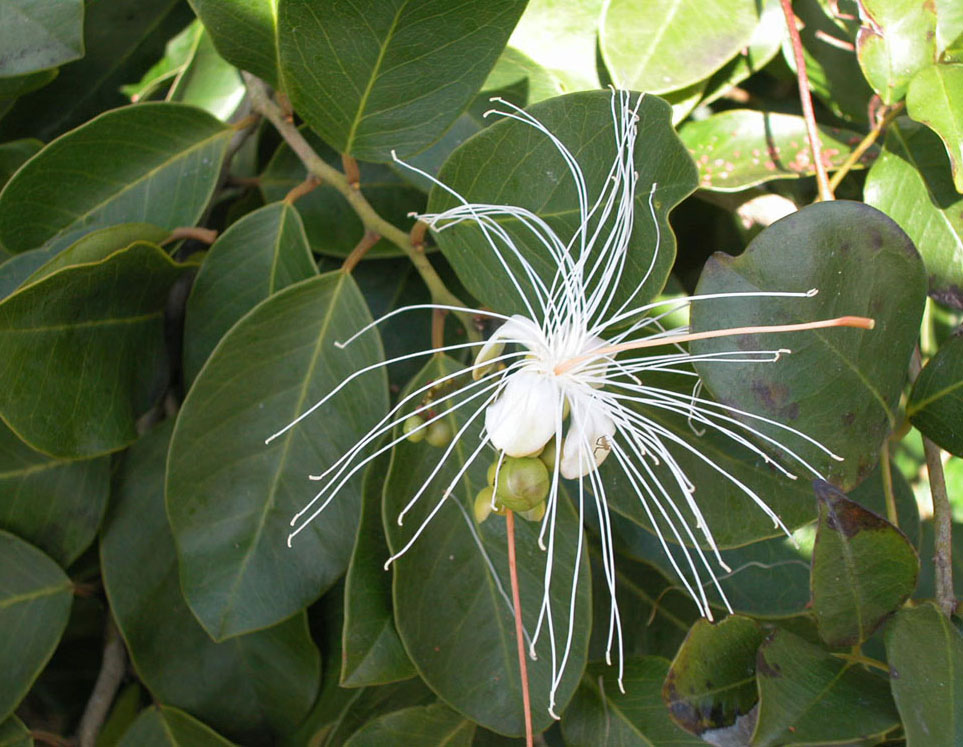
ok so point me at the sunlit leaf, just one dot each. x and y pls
(935, 97)
(897, 40)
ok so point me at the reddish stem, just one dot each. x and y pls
(519, 632)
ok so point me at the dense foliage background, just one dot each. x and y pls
(200, 199)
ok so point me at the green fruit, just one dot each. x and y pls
(548, 455)
(439, 434)
(411, 426)
(483, 504)
(523, 483)
(534, 514)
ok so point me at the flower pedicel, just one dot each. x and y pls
(554, 383)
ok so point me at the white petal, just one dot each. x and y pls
(522, 420)
(518, 329)
(590, 428)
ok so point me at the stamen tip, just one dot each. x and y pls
(290, 537)
(621, 686)
(725, 566)
(838, 458)
(340, 345)
(812, 292)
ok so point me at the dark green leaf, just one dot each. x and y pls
(911, 183)
(260, 254)
(935, 98)
(54, 503)
(600, 715)
(35, 598)
(839, 386)
(741, 148)
(422, 725)
(122, 38)
(936, 403)
(863, 569)
(539, 180)
(381, 75)
(154, 163)
(649, 46)
(163, 726)
(925, 653)
(39, 34)
(14, 154)
(14, 734)
(453, 614)
(81, 352)
(897, 40)
(13, 88)
(230, 497)
(332, 226)
(807, 696)
(371, 652)
(711, 681)
(264, 680)
(245, 33)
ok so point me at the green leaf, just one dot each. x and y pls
(12, 88)
(382, 75)
(807, 696)
(935, 98)
(154, 163)
(35, 597)
(649, 46)
(371, 653)
(560, 36)
(897, 40)
(740, 148)
(332, 226)
(949, 25)
(711, 681)
(244, 33)
(540, 182)
(56, 504)
(163, 726)
(839, 386)
(452, 613)
(252, 683)
(14, 734)
(936, 403)
(925, 654)
(39, 34)
(600, 714)
(122, 39)
(230, 498)
(911, 183)
(14, 154)
(207, 81)
(863, 569)
(260, 254)
(82, 348)
(422, 725)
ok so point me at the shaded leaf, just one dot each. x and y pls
(82, 348)
(451, 602)
(740, 148)
(897, 40)
(14, 734)
(423, 725)
(936, 403)
(56, 504)
(600, 714)
(231, 498)
(863, 569)
(911, 183)
(925, 654)
(14, 154)
(371, 652)
(648, 46)
(711, 681)
(332, 226)
(839, 386)
(122, 39)
(935, 98)
(163, 726)
(39, 34)
(251, 683)
(261, 253)
(540, 181)
(35, 597)
(112, 169)
(244, 33)
(13, 88)
(384, 75)
(808, 696)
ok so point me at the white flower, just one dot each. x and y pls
(564, 377)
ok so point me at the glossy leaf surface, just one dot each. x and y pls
(936, 403)
(935, 97)
(897, 40)
(245, 33)
(39, 34)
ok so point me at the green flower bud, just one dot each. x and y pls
(523, 483)
(439, 434)
(534, 514)
(483, 503)
(410, 428)
(548, 455)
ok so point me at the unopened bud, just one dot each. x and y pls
(483, 503)
(413, 430)
(522, 483)
(439, 434)
(534, 514)
(549, 456)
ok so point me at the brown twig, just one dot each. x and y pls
(48, 737)
(519, 630)
(806, 99)
(298, 191)
(204, 235)
(361, 248)
(438, 328)
(112, 668)
(351, 171)
(865, 144)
